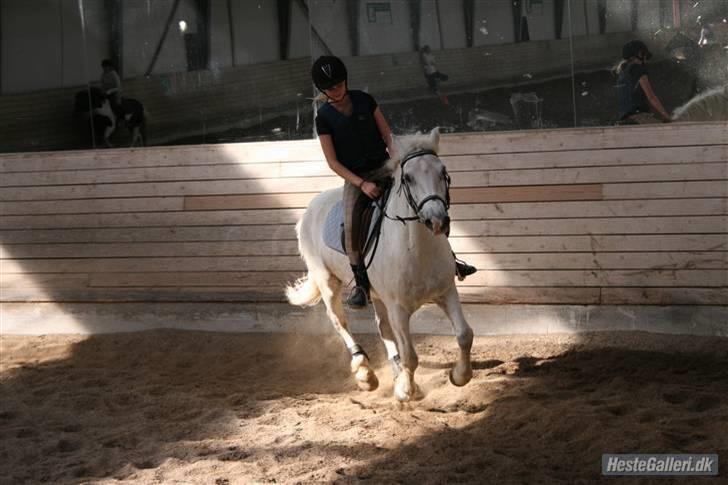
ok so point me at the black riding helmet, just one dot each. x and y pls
(633, 48)
(327, 72)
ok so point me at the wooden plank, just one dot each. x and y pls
(44, 283)
(458, 196)
(599, 225)
(159, 249)
(664, 296)
(149, 212)
(521, 227)
(593, 175)
(581, 278)
(587, 209)
(238, 153)
(137, 204)
(665, 190)
(153, 219)
(696, 243)
(231, 171)
(529, 295)
(593, 243)
(168, 234)
(501, 261)
(242, 294)
(613, 157)
(188, 188)
(494, 296)
(484, 278)
(153, 264)
(676, 134)
(262, 201)
(236, 279)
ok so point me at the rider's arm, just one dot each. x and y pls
(384, 130)
(327, 145)
(652, 97)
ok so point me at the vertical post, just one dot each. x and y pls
(516, 8)
(284, 28)
(231, 28)
(352, 19)
(558, 18)
(414, 16)
(469, 17)
(586, 17)
(203, 19)
(676, 13)
(602, 14)
(439, 23)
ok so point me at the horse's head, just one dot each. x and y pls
(424, 181)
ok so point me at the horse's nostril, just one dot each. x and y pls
(446, 221)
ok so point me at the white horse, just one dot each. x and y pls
(412, 266)
(711, 105)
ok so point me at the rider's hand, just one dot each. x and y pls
(370, 189)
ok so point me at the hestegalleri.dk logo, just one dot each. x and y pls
(659, 464)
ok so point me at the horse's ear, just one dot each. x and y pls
(435, 137)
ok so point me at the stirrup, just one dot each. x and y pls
(463, 269)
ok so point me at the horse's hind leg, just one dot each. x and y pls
(365, 377)
(450, 304)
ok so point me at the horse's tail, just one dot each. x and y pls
(304, 292)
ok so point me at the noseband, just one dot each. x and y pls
(417, 206)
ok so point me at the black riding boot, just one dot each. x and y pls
(360, 293)
(463, 269)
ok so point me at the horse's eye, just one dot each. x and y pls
(407, 178)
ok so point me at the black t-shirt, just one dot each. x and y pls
(357, 141)
(632, 98)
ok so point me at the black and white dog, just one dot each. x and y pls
(96, 106)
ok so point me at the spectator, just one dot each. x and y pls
(432, 75)
(636, 96)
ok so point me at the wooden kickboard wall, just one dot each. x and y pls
(619, 216)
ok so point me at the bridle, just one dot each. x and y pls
(416, 206)
(403, 185)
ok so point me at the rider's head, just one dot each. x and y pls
(327, 72)
(636, 49)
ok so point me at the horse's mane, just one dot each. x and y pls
(412, 143)
(711, 105)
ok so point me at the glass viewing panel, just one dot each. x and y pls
(216, 71)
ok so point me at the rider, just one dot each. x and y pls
(356, 141)
(635, 91)
(111, 85)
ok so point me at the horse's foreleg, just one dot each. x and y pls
(387, 336)
(463, 370)
(405, 388)
(365, 377)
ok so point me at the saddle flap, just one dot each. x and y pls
(333, 230)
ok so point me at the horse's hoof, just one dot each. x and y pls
(366, 379)
(460, 378)
(405, 388)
